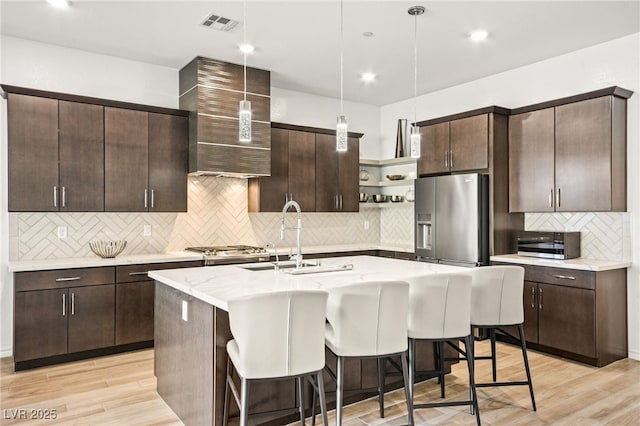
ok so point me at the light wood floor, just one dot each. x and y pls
(120, 390)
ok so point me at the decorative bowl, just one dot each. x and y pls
(107, 249)
(364, 197)
(380, 198)
(397, 198)
(395, 177)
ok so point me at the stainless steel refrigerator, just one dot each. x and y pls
(452, 219)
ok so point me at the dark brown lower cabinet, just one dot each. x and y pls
(91, 317)
(134, 312)
(577, 314)
(40, 324)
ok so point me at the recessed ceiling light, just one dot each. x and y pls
(246, 48)
(368, 34)
(59, 3)
(368, 77)
(479, 35)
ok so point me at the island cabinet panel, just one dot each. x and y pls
(337, 183)
(126, 160)
(581, 315)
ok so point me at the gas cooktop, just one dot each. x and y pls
(224, 255)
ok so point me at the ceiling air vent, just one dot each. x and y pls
(219, 23)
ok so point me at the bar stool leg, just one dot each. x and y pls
(468, 343)
(492, 333)
(323, 400)
(244, 403)
(412, 367)
(525, 358)
(441, 367)
(300, 398)
(339, 390)
(407, 385)
(381, 376)
(225, 407)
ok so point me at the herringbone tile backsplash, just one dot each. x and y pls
(217, 215)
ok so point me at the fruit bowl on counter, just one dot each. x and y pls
(107, 249)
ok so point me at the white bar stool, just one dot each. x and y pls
(496, 302)
(276, 336)
(368, 320)
(440, 311)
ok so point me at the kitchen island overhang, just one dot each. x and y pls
(192, 329)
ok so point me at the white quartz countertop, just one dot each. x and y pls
(217, 285)
(337, 248)
(95, 261)
(580, 263)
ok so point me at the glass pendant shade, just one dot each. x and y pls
(244, 124)
(414, 140)
(341, 134)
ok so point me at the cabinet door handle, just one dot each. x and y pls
(540, 300)
(55, 196)
(64, 196)
(451, 159)
(73, 303)
(565, 277)
(67, 279)
(153, 198)
(551, 198)
(64, 305)
(558, 197)
(446, 160)
(336, 203)
(340, 201)
(138, 273)
(533, 297)
(146, 196)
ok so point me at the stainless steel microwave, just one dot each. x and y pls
(549, 245)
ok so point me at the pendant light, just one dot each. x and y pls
(244, 113)
(414, 138)
(341, 126)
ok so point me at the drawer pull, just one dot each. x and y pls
(67, 279)
(565, 277)
(138, 273)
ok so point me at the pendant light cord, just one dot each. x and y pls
(244, 40)
(415, 68)
(341, 57)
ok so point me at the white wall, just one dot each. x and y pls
(317, 111)
(615, 63)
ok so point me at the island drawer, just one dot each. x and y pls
(63, 278)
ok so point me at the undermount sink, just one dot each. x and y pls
(307, 268)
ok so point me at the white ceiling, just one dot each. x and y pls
(299, 41)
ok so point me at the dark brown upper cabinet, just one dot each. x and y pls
(306, 167)
(337, 185)
(55, 155)
(80, 154)
(456, 145)
(569, 155)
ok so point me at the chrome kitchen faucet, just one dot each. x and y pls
(295, 205)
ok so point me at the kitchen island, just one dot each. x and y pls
(192, 329)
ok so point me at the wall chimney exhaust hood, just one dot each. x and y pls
(211, 90)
